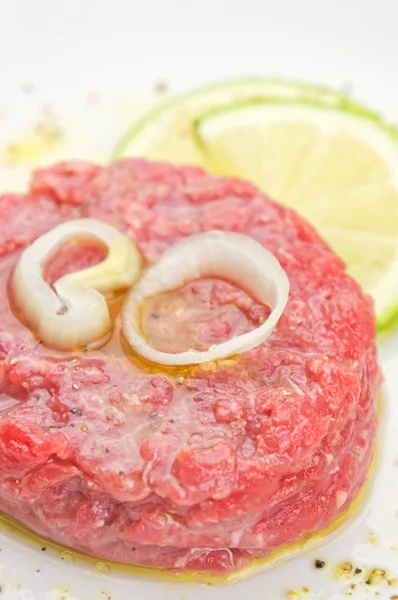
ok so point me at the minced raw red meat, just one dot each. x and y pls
(193, 468)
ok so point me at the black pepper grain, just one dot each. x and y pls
(358, 571)
(76, 411)
(161, 87)
(319, 564)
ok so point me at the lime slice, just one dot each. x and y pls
(164, 133)
(338, 167)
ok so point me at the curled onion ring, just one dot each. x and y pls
(232, 256)
(73, 312)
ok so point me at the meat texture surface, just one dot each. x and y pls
(200, 468)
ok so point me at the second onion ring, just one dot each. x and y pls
(232, 256)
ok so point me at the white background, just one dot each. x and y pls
(70, 49)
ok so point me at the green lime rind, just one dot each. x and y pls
(302, 88)
(348, 107)
(387, 322)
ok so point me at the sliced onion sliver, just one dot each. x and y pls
(73, 313)
(232, 256)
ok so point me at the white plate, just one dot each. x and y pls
(86, 62)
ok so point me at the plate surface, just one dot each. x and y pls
(85, 70)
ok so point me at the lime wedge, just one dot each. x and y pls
(338, 167)
(164, 133)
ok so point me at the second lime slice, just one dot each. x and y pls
(337, 167)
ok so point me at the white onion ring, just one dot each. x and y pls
(73, 312)
(232, 256)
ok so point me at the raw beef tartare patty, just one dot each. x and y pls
(203, 467)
